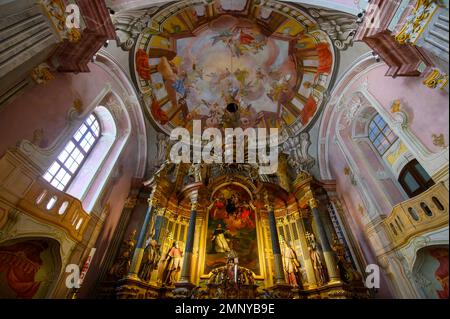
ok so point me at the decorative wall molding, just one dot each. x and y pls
(44, 157)
(341, 27)
(129, 24)
(399, 123)
(25, 227)
(335, 105)
(133, 105)
(298, 149)
(341, 112)
(402, 263)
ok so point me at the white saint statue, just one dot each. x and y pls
(219, 242)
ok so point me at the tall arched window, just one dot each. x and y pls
(381, 135)
(70, 160)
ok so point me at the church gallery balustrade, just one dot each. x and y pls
(49, 204)
(234, 237)
(417, 215)
(23, 191)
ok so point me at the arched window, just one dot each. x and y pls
(415, 179)
(381, 135)
(70, 160)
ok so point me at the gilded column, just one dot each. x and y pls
(186, 270)
(310, 276)
(160, 223)
(278, 261)
(139, 251)
(328, 253)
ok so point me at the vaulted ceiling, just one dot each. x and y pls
(274, 60)
(277, 60)
(348, 6)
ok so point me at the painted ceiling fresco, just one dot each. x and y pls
(272, 62)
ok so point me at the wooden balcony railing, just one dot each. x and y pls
(47, 203)
(418, 215)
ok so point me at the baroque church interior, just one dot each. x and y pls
(93, 207)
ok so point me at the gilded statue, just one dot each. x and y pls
(163, 168)
(42, 74)
(172, 265)
(316, 259)
(346, 269)
(162, 147)
(123, 263)
(152, 256)
(195, 172)
(291, 265)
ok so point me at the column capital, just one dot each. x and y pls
(267, 201)
(152, 201)
(311, 199)
(313, 203)
(194, 199)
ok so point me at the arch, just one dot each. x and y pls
(116, 128)
(239, 184)
(334, 107)
(430, 271)
(121, 100)
(370, 171)
(131, 104)
(29, 267)
(398, 121)
(349, 103)
(86, 175)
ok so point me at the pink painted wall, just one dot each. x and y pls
(119, 188)
(428, 113)
(428, 110)
(46, 106)
(351, 200)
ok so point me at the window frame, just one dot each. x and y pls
(77, 145)
(412, 170)
(381, 132)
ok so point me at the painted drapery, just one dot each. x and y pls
(19, 264)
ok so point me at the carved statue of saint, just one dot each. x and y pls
(316, 259)
(291, 265)
(123, 263)
(162, 144)
(172, 265)
(346, 269)
(219, 242)
(152, 255)
(195, 171)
